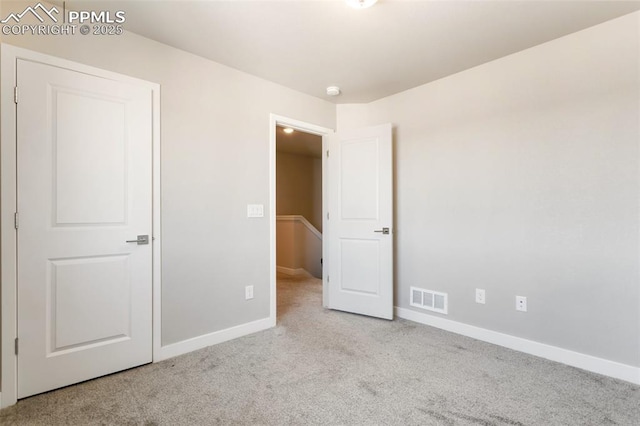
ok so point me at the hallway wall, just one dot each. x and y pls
(299, 187)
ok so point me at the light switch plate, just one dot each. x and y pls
(255, 210)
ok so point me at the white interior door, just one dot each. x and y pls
(84, 173)
(360, 207)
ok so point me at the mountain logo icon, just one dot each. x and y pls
(38, 11)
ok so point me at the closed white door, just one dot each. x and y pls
(360, 207)
(84, 148)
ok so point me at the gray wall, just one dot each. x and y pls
(298, 247)
(521, 177)
(215, 150)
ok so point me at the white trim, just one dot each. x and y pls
(294, 272)
(553, 353)
(301, 219)
(275, 120)
(326, 226)
(157, 226)
(10, 55)
(210, 339)
(8, 236)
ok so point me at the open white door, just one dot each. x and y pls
(360, 207)
(84, 173)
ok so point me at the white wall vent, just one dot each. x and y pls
(429, 300)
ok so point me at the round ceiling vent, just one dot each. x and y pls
(333, 90)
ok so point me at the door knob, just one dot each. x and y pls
(384, 231)
(142, 239)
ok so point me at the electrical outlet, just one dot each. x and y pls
(521, 303)
(480, 296)
(248, 292)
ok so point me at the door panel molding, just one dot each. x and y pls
(8, 200)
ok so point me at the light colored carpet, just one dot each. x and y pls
(326, 367)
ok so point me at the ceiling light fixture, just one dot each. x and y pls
(333, 90)
(288, 130)
(361, 4)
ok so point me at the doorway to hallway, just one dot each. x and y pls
(298, 203)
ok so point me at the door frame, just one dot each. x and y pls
(278, 120)
(8, 202)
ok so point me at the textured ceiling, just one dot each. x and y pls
(372, 53)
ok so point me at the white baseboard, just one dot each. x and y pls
(214, 338)
(294, 272)
(553, 353)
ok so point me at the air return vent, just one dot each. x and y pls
(429, 300)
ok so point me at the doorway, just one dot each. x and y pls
(307, 153)
(298, 203)
(358, 244)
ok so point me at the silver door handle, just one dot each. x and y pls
(384, 231)
(142, 239)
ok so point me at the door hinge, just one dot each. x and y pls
(15, 220)
(15, 94)
(16, 345)
(327, 150)
(327, 215)
(328, 279)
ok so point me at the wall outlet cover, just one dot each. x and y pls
(248, 292)
(480, 296)
(521, 303)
